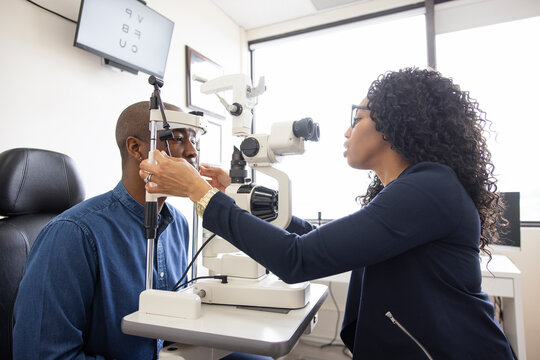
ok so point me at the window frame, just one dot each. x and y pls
(442, 16)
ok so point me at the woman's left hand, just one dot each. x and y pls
(217, 177)
(173, 176)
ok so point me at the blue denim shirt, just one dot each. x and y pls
(84, 274)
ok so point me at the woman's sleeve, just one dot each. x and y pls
(299, 226)
(404, 215)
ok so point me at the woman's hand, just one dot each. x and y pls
(218, 178)
(173, 176)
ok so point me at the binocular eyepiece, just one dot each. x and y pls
(238, 172)
(306, 129)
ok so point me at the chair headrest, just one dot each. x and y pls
(38, 181)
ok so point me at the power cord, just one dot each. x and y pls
(52, 12)
(177, 285)
(331, 343)
(344, 349)
(223, 279)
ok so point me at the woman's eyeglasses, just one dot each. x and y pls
(355, 108)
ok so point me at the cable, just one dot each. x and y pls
(223, 279)
(52, 12)
(331, 343)
(337, 321)
(177, 286)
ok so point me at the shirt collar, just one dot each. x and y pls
(164, 217)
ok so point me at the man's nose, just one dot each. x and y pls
(190, 151)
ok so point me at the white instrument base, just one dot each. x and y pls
(184, 305)
(268, 291)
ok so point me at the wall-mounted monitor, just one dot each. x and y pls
(125, 32)
(511, 238)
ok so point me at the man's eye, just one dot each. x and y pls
(178, 139)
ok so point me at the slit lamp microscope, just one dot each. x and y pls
(250, 284)
(246, 282)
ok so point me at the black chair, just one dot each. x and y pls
(35, 186)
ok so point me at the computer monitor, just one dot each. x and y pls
(126, 33)
(511, 239)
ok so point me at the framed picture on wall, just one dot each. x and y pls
(199, 69)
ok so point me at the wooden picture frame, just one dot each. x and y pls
(199, 66)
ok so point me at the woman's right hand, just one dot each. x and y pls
(217, 177)
(173, 176)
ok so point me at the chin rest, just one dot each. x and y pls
(35, 186)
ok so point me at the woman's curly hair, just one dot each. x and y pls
(426, 117)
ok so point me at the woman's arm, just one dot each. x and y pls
(412, 210)
(405, 215)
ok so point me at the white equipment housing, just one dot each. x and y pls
(244, 95)
(248, 282)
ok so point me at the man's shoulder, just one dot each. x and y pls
(177, 215)
(86, 210)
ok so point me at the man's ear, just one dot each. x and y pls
(136, 148)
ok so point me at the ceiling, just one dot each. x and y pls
(251, 14)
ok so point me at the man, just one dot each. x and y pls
(87, 266)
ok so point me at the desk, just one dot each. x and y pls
(232, 328)
(504, 279)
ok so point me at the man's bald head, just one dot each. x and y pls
(134, 121)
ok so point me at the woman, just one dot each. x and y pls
(414, 246)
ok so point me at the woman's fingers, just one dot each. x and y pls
(218, 177)
(172, 176)
(206, 170)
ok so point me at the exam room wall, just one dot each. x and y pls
(527, 262)
(58, 97)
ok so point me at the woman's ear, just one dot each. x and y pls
(136, 148)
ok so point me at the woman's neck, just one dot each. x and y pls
(391, 168)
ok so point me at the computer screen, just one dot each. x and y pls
(512, 236)
(126, 32)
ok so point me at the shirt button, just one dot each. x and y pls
(161, 274)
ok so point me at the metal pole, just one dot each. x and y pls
(195, 237)
(430, 33)
(150, 218)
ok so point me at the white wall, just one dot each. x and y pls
(58, 97)
(527, 262)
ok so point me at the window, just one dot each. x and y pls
(321, 76)
(499, 64)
